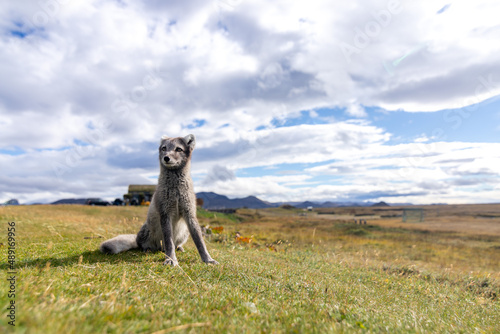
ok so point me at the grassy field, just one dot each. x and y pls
(292, 272)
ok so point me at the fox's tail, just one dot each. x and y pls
(119, 244)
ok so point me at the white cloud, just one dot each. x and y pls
(356, 110)
(116, 75)
(294, 144)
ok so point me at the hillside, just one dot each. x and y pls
(71, 201)
(381, 204)
(215, 201)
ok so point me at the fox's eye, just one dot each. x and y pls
(164, 148)
(178, 149)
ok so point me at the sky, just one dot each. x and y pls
(364, 101)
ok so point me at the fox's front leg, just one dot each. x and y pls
(168, 242)
(195, 231)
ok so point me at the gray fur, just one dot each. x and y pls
(172, 213)
(119, 244)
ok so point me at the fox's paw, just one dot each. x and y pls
(212, 261)
(170, 262)
(180, 249)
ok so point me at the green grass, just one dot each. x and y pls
(298, 275)
(218, 218)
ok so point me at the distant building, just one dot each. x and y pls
(309, 208)
(139, 193)
(413, 215)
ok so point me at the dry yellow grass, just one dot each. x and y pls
(453, 240)
(298, 274)
(474, 219)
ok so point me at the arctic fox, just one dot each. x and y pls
(172, 213)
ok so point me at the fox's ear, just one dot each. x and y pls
(163, 138)
(190, 141)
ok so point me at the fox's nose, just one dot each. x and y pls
(166, 159)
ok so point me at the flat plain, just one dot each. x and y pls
(290, 271)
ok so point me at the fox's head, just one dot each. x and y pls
(176, 152)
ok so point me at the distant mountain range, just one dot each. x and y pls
(71, 201)
(213, 201)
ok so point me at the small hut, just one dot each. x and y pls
(139, 193)
(412, 215)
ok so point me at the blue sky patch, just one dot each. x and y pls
(14, 151)
(475, 124)
(312, 117)
(279, 170)
(18, 33)
(20, 30)
(197, 123)
(445, 8)
(59, 149)
(80, 142)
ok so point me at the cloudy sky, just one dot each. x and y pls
(289, 100)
